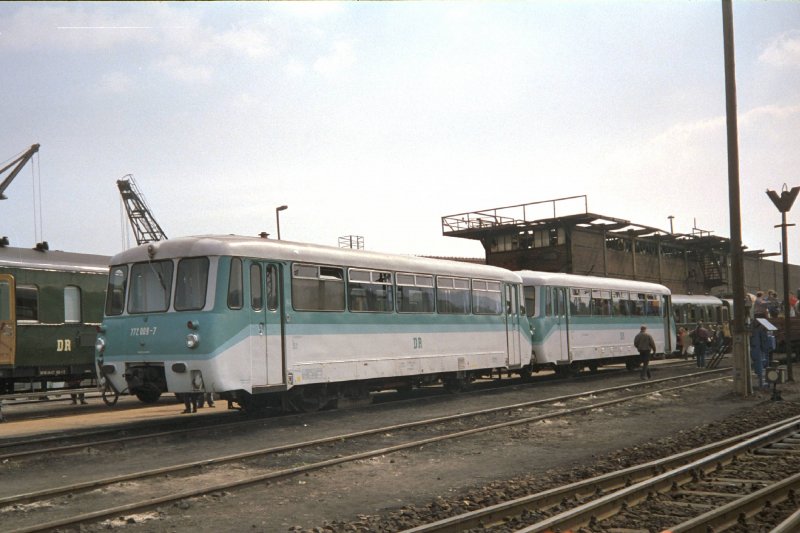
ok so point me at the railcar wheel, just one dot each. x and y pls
(525, 373)
(454, 384)
(148, 393)
(311, 399)
(631, 365)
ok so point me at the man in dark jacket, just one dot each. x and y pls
(646, 345)
(700, 338)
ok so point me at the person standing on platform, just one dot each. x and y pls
(759, 351)
(761, 306)
(646, 345)
(683, 338)
(700, 338)
(190, 402)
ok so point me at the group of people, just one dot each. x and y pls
(193, 400)
(767, 305)
(701, 340)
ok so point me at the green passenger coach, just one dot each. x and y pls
(300, 326)
(51, 304)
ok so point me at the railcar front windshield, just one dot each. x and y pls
(150, 287)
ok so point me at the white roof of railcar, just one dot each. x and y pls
(239, 246)
(56, 260)
(530, 277)
(698, 299)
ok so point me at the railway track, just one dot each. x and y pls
(76, 441)
(736, 484)
(92, 500)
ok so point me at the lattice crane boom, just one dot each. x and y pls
(19, 162)
(145, 227)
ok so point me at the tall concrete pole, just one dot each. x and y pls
(741, 344)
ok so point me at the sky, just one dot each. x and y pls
(376, 119)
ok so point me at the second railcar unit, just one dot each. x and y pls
(51, 304)
(288, 324)
(587, 321)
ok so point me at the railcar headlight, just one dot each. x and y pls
(192, 340)
(100, 345)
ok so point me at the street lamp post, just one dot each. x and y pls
(278, 218)
(784, 204)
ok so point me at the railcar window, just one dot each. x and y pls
(151, 285)
(580, 302)
(638, 304)
(27, 302)
(452, 295)
(72, 304)
(530, 300)
(601, 302)
(272, 287)
(486, 297)
(370, 290)
(256, 287)
(511, 300)
(5, 300)
(415, 293)
(653, 305)
(620, 301)
(560, 307)
(317, 288)
(235, 285)
(115, 293)
(192, 283)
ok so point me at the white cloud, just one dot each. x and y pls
(247, 41)
(115, 82)
(295, 68)
(178, 69)
(338, 59)
(783, 51)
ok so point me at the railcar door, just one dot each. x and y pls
(561, 323)
(669, 325)
(8, 321)
(512, 326)
(267, 343)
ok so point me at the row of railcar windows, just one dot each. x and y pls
(27, 303)
(602, 302)
(326, 288)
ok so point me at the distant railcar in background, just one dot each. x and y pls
(588, 321)
(689, 309)
(51, 304)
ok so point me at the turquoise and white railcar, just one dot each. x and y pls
(588, 321)
(286, 323)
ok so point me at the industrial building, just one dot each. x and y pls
(534, 236)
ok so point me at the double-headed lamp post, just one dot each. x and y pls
(278, 218)
(784, 204)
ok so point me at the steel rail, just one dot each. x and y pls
(94, 484)
(584, 488)
(610, 504)
(145, 436)
(749, 505)
(149, 503)
(790, 525)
